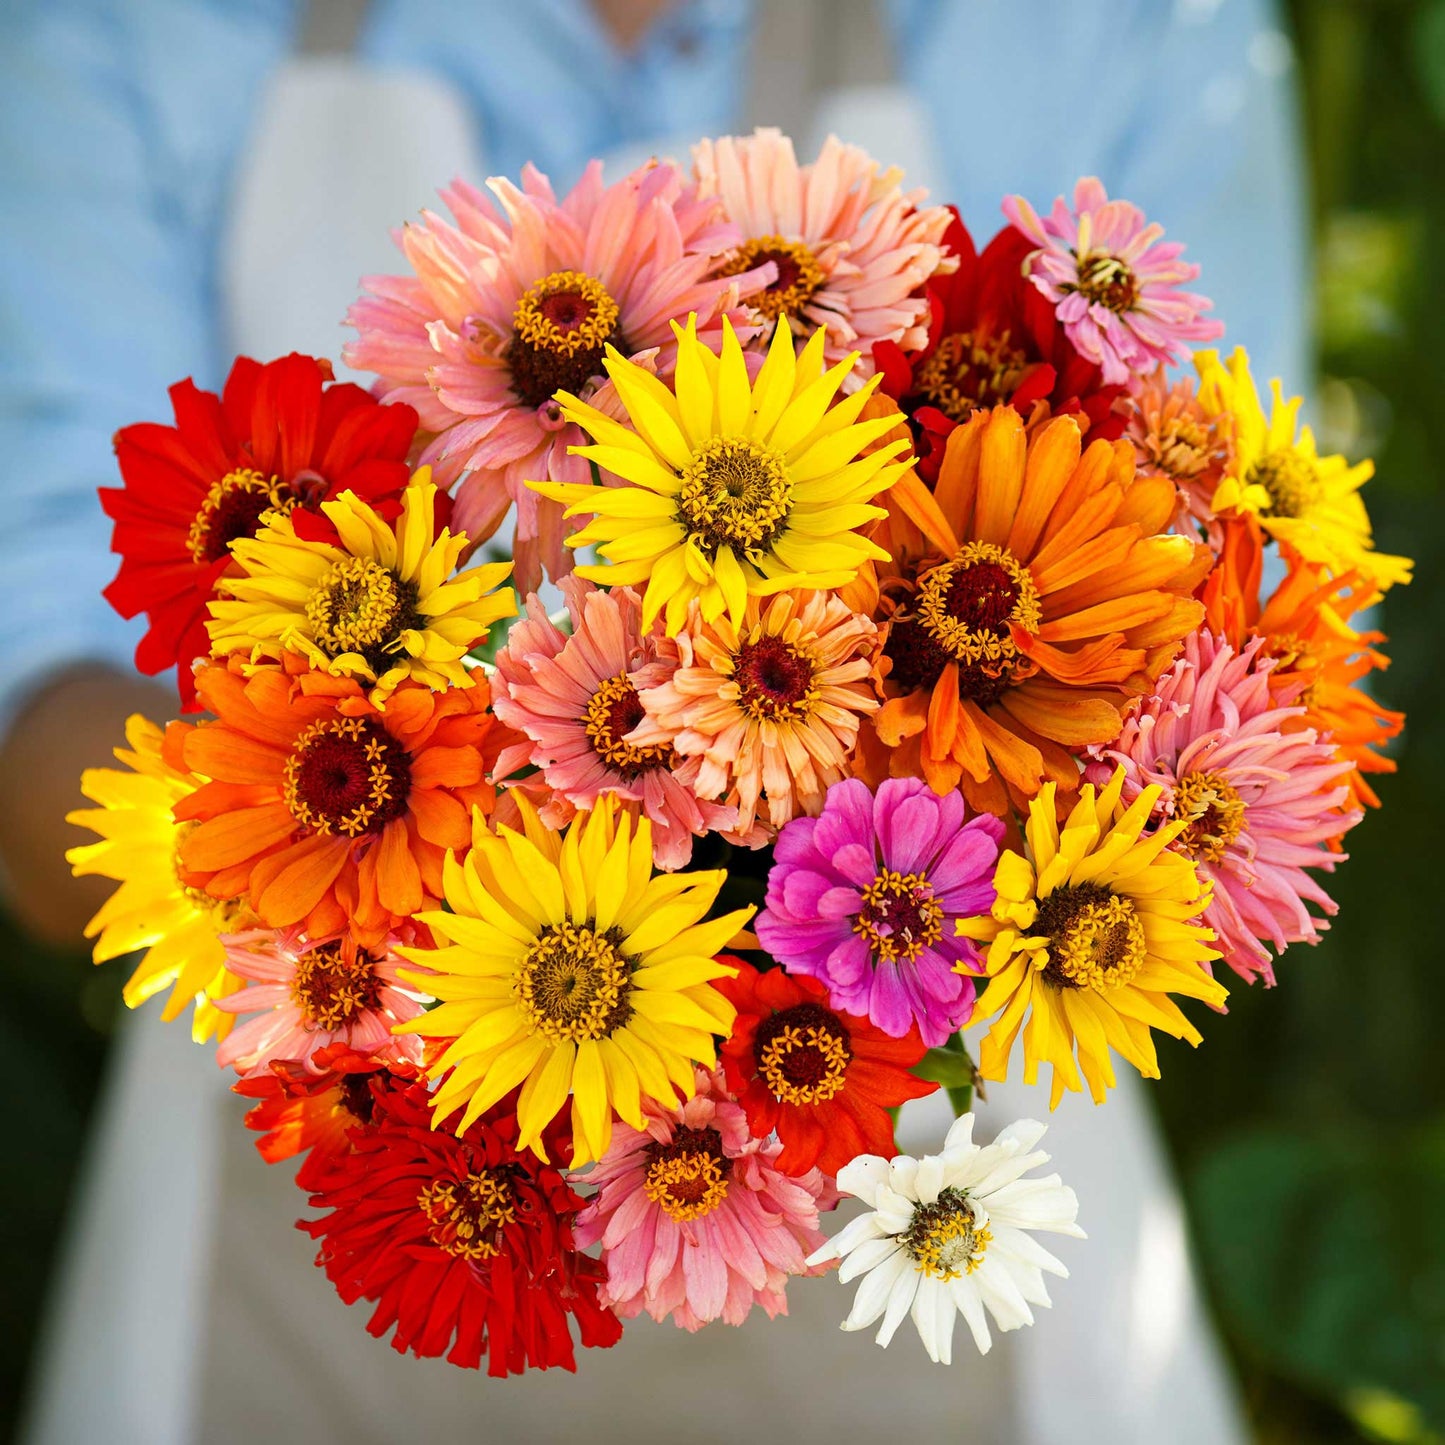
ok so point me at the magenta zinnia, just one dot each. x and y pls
(1262, 799)
(509, 305)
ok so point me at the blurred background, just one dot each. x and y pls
(1310, 1133)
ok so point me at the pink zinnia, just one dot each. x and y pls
(309, 995)
(1113, 281)
(575, 699)
(852, 248)
(509, 305)
(695, 1218)
(1263, 801)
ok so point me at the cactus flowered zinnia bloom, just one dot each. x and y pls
(948, 1234)
(730, 488)
(1114, 280)
(519, 299)
(1095, 925)
(695, 1219)
(865, 897)
(1259, 802)
(567, 967)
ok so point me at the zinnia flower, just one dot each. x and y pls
(1319, 656)
(823, 1080)
(865, 897)
(992, 339)
(695, 1218)
(510, 305)
(765, 713)
(1096, 924)
(314, 1108)
(574, 697)
(1174, 437)
(309, 995)
(152, 909)
(1308, 503)
(1114, 281)
(1030, 594)
(565, 966)
(325, 811)
(383, 606)
(851, 249)
(465, 1243)
(277, 439)
(950, 1234)
(1257, 803)
(730, 488)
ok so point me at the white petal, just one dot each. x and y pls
(1022, 1135)
(960, 1134)
(929, 1178)
(899, 1303)
(998, 1291)
(970, 1306)
(869, 1255)
(1037, 1204)
(873, 1292)
(925, 1315)
(1010, 1243)
(861, 1177)
(901, 1174)
(895, 1211)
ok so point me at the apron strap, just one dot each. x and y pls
(804, 48)
(330, 27)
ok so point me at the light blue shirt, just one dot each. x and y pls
(121, 122)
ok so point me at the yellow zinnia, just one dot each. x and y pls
(381, 607)
(566, 966)
(1309, 503)
(1092, 930)
(178, 927)
(731, 488)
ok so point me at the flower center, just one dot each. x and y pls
(233, 508)
(356, 1096)
(688, 1177)
(900, 917)
(799, 274)
(347, 775)
(968, 371)
(1107, 281)
(332, 985)
(611, 714)
(1292, 481)
(775, 680)
(945, 1237)
(467, 1216)
(1215, 812)
(965, 612)
(361, 607)
(1095, 937)
(736, 494)
(1179, 449)
(574, 983)
(803, 1054)
(560, 331)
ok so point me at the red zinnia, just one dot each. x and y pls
(277, 436)
(993, 338)
(464, 1244)
(823, 1080)
(300, 1111)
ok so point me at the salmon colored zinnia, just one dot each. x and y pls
(1031, 593)
(326, 811)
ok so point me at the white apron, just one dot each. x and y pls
(189, 1309)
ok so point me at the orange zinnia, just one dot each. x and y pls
(1306, 628)
(324, 810)
(1031, 593)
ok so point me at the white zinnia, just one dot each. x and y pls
(948, 1234)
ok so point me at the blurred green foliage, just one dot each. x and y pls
(1310, 1128)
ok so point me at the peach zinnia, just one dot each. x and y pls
(1031, 594)
(325, 811)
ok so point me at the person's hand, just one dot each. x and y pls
(74, 723)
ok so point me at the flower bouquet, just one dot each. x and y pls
(938, 660)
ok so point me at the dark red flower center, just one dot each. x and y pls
(799, 274)
(613, 711)
(775, 679)
(347, 775)
(332, 985)
(560, 333)
(466, 1217)
(688, 1177)
(900, 916)
(968, 371)
(803, 1053)
(233, 508)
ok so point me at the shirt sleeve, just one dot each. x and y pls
(114, 158)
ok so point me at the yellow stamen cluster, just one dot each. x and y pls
(831, 1059)
(945, 1237)
(235, 503)
(687, 1183)
(574, 984)
(1107, 281)
(799, 274)
(593, 322)
(735, 493)
(899, 917)
(1095, 938)
(1215, 812)
(356, 608)
(1291, 479)
(969, 604)
(617, 698)
(386, 784)
(967, 372)
(467, 1216)
(331, 989)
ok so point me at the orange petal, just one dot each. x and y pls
(288, 885)
(1114, 615)
(957, 483)
(1053, 457)
(236, 836)
(1018, 761)
(398, 879)
(1075, 719)
(1001, 459)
